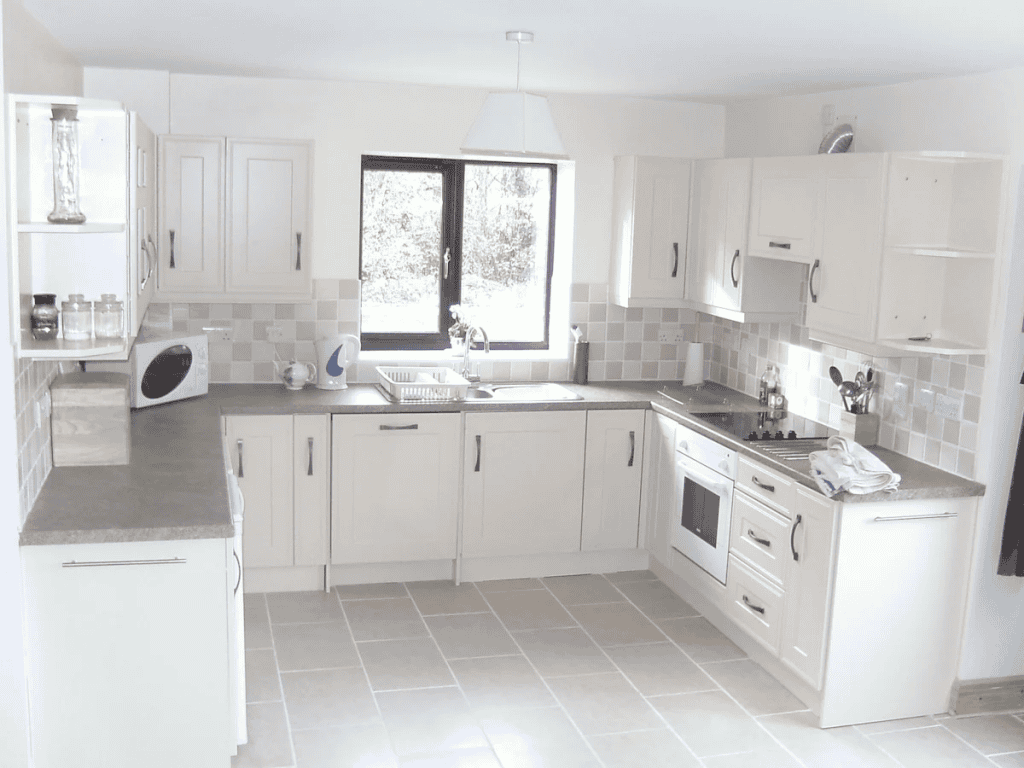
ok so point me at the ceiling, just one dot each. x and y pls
(706, 50)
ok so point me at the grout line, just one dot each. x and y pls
(280, 683)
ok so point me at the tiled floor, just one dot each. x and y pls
(565, 672)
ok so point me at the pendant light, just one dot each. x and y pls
(517, 124)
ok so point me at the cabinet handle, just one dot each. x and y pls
(792, 537)
(762, 542)
(632, 448)
(239, 563)
(773, 244)
(447, 258)
(751, 606)
(478, 452)
(298, 251)
(103, 563)
(732, 269)
(241, 472)
(810, 281)
(172, 249)
(763, 486)
(390, 427)
(935, 516)
(309, 469)
(675, 262)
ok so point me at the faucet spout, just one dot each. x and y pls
(470, 334)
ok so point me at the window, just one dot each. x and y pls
(440, 232)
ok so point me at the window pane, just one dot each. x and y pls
(401, 251)
(505, 249)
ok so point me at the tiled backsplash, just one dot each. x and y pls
(35, 456)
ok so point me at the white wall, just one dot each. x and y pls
(982, 113)
(34, 62)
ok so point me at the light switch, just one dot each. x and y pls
(900, 398)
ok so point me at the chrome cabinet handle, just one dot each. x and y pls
(751, 606)
(732, 269)
(391, 427)
(298, 251)
(239, 562)
(172, 249)
(103, 563)
(632, 448)
(675, 262)
(447, 258)
(478, 452)
(762, 542)
(773, 244)
(309, 469)
(759, 484)
(792, 537)
(810, 281)
(241, 472)
(936, 516)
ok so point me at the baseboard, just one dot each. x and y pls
(994, 694)
(537, 566)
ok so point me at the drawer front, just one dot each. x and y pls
(768, 486)
(760, 536)
(754, 604)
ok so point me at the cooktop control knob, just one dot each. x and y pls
(766, 435)
(792, 434)
(779, 435)
(752, 436)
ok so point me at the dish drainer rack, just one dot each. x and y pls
(410, 383)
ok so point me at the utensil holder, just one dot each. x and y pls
(862, 428)
(581, 362)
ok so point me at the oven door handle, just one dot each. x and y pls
(714, 482)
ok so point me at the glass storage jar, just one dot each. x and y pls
(77, 314)
(66, 166)
(44, 316)
(109, 317)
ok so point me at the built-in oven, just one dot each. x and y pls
(705, 475)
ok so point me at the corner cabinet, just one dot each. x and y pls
(651, 203)
(114, 251)
(235, 219)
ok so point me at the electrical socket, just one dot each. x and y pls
(275, 333)
(900, 399)
(670, 334)
(948, 406)
(218, 332)
(926, 399)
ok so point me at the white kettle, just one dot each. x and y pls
(334, 354)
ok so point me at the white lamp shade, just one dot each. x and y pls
(518, 124)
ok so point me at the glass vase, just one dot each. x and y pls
(66, 166)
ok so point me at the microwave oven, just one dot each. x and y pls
(163, 369)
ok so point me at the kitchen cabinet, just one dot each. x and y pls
(612, 475)
(112, 251)
(523, 482)
(784, 208)
(237, 214)
(395, 489)
(282, 466)
(660, 468)
(723, 278)
(128, 655)
(651, 202)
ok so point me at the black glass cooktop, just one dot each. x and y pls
(766, 425)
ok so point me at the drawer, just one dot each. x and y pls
(754, 604)
(771, 487)
(760, 536)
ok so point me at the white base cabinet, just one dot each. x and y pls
(128, 654)
(611, 488)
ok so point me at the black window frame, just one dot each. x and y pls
(452, 172)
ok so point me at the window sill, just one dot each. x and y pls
(443, 357)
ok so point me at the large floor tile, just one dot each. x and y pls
(929, 748)
(538, 738)
(501, 682)
(904, 724)
(756, 691)
(616, 624)
(429, 720)
(762, 758)
(328, 698)
(605, 703)
(257, 621)
(409, 663)
(363, 745)
(581, 590)
(261, 680)
(659, 669)
(314, 646)
(563, 652)
(643, 749)
(700, 640)
(370, 591)
(657, 601)
(292, 607)
(989, 734)
(625, 577)
(711, 723)
(529, 610)
(441, 597)
(269, 744)
(508, 585)
(384, 619)
(470, 634)
(1014, 760)
(457, 758)
(816, 747)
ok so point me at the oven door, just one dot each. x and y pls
(703, 513)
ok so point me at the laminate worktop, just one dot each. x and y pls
(174, 486)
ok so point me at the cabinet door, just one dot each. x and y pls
(611, 485)
(662, 468)
(261, 456)
(128, 654)
(191, 241)
(844, 279)
(523, 483)
(808, 585)
(785, 208)
(142, 251)
(312, 488)
(395, 490)
(651, 210)
(267, 234)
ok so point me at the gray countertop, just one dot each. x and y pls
(175, 488)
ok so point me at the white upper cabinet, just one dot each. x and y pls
(784, 208)
(650, 213)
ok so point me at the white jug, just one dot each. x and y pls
(333, 356)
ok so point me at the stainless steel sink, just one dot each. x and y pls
(541, 392)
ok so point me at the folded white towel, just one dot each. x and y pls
(849, 466)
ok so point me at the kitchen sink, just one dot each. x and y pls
(533, 393)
